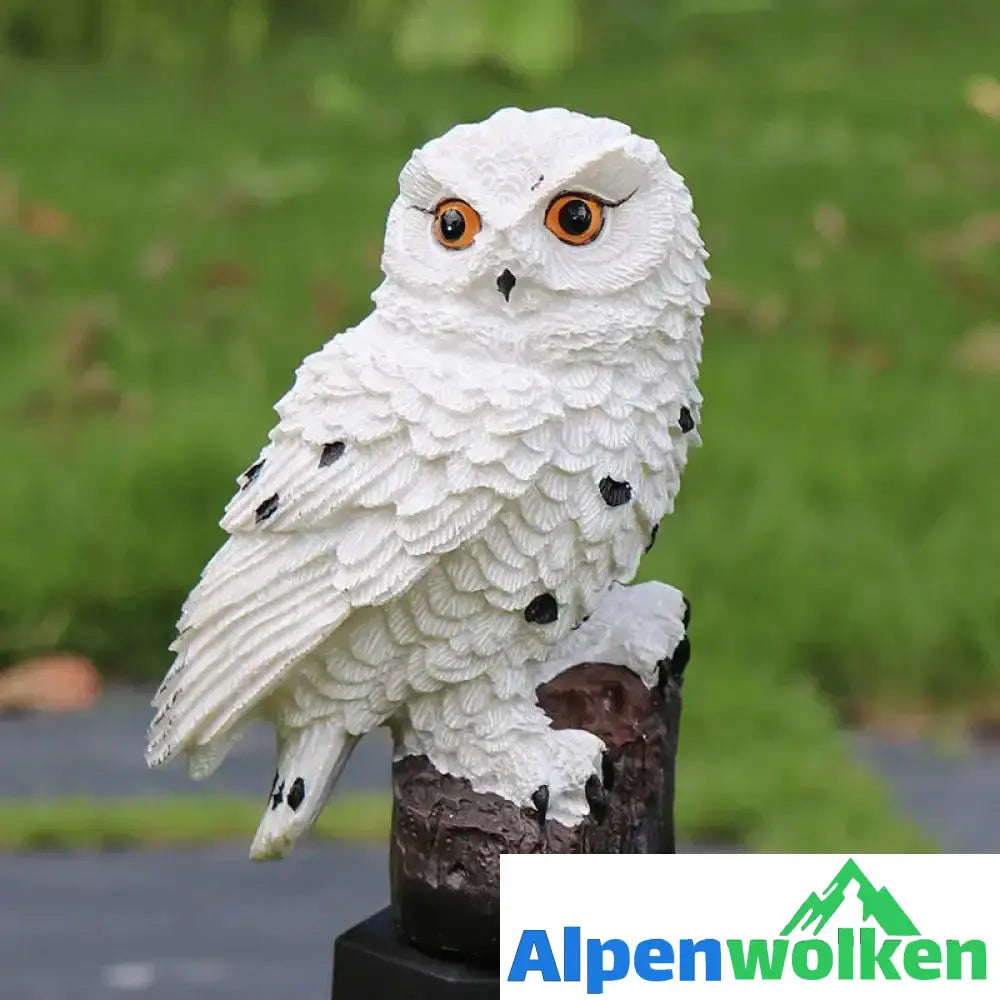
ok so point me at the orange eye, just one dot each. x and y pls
(575, 218)
(456, 224)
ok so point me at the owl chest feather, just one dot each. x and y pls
(608, 467)
(517, 495)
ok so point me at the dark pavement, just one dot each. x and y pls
(192, 925)
(99, 752)
(954, 797)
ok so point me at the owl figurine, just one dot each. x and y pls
(459, 488)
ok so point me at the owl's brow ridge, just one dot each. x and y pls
(621, 201)
(580, 193)
(612, 204)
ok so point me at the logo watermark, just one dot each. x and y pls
(702, 928)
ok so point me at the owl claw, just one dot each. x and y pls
(607, 771)
(671, 668)
(546, 777)
(540, 800)
(597, 798)
(633, 626)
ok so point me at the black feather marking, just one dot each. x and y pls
(685, 420)
(296, 794)
(614, 492)
(542, 610)
(251, 474)
(652, 537)
(331, 452)
(278, 797)
(267, 508)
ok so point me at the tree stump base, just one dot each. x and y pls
(447, 839)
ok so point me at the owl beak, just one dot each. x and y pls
(505, 283)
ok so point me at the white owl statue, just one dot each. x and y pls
(459, 487)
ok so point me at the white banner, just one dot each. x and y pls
(719, 925)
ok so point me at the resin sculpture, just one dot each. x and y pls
(438, 533)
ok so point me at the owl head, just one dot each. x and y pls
(540, 230)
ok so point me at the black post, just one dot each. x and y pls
(371, 962)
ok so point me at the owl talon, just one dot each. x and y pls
(540, 800)
(597, 798)
(671, 668)
(607, 771)
(632, 626)
(662, 674)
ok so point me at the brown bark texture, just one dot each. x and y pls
(447, 839)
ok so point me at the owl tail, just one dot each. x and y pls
(309, 762)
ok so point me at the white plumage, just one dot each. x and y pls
(455, 483)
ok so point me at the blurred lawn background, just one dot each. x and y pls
(192, 197)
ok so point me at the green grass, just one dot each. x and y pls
(836, 535)
(741, 816)
(762, 766)
(118, 824)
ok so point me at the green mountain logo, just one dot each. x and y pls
(878, 905)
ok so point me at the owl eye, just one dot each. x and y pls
(456, 224)
(575, 218)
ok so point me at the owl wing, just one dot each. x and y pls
(379, 465)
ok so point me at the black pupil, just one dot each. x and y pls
(575, 217)
(452, 225)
